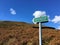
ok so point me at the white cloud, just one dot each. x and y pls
(49, 18)
(56, 19)
(58, 27)
(37, 14)
(12, 11)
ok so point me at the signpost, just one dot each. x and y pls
(40, 20)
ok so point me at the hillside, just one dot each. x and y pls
(21, 33)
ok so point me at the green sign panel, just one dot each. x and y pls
(41, 19)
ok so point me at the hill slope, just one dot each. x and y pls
(21, 33)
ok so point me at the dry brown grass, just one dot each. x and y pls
(20, 33)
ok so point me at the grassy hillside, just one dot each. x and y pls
(21, 33)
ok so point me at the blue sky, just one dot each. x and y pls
(22, 10)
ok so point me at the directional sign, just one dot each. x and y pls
(41, 19)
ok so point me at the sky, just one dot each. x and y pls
(23, 10)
